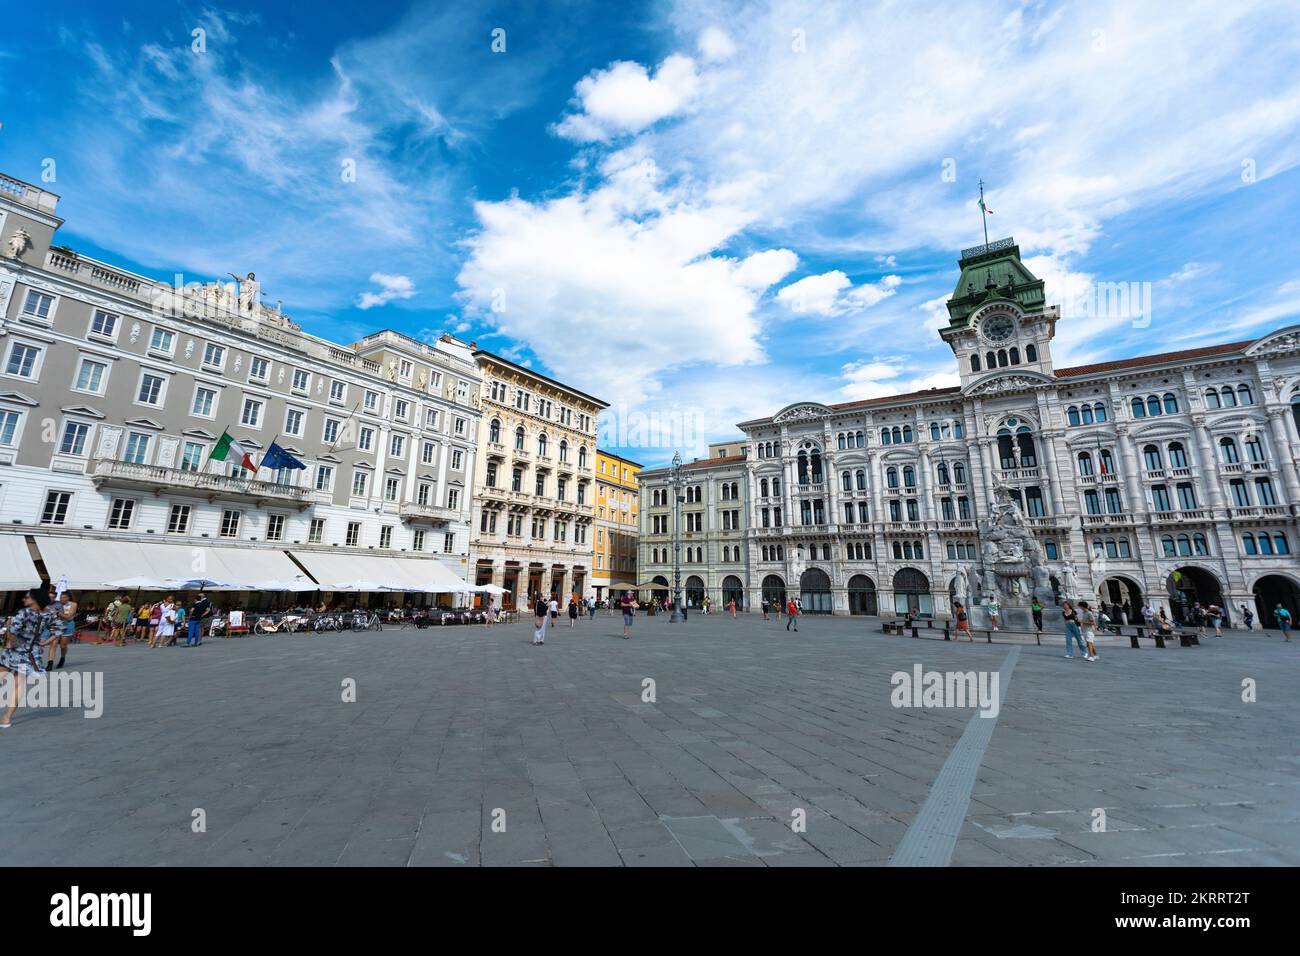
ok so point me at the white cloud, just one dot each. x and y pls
(391, 288)
(625, 98)
(832, 293)
(715, 45)
(881, 377)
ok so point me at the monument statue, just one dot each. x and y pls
(250, 292)
(1012, 570)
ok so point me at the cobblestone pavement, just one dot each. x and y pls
(456, 729)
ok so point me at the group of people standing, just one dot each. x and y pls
(158, 623)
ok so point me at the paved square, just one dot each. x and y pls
(455, 729)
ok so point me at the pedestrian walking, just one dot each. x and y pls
(1215, 615)
(792, 613)
(22, 655)
(627, 604)
(591, 609)
(553, 607)
(1248, 617)
(119, 616)
(1198, 618)
(1148, 615)
(573, 612)
(539, 621)
(1088, 623)
(995, 614)
(65, 612)
(166, 623)
(200, 609)
(1036, 609)
(963, 621)
(1283, 618)
(764, 605)
(1072, 633)
(731, 606)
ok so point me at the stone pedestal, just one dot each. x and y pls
(1016, 618)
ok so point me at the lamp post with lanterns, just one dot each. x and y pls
(677, 617)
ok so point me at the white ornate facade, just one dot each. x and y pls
(1169, 478)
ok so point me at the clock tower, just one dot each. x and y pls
(998, 320)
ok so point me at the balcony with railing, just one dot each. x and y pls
(1108, 521)
(109, 472)
(434, 514)
(1256, 512)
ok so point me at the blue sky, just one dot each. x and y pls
(700, 211)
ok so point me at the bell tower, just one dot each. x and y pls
(998, 319)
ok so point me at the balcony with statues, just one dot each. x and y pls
(114, 473)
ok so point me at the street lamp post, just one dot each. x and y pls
(677, 617)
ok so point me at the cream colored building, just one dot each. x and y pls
(534, 483)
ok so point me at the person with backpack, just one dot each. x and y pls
(792, 615)
(1283, 618)
(963, 621)
(1248, 617)
(1215, 615)
(539, 621)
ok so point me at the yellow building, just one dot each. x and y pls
(617, 513)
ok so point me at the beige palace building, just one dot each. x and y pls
(534, 483)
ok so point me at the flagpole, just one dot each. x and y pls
(224, 431)
(268, 448)
(351, 415)
(984, 215)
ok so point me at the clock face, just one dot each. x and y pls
(998, 328)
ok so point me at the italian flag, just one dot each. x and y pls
(985, 208)
(229, 449)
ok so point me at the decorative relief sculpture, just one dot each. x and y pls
(18, 243)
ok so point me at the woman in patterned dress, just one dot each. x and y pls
(21, 657)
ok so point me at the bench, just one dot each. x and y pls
(1185, 638)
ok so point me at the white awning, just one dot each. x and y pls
(91, 564)
(349, 571)
(17, 571)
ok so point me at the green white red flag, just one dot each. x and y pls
(228, 449)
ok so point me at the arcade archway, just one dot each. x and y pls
(815, 592)
(774, 590)
(733, 590)
(1272, 590)
(1190, 585)
(912, 592)
(862, 595)
(1123, 593)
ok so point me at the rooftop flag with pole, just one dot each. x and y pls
(227, 449)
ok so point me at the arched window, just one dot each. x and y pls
(1185, 545)
(1124, 550)
(861, 479)
(862, 439)
(1167, 545)
(959, 472)
(1099, 412)
(1248, 543)
(1228, 451)
(974, 363)
(1028, 453)
(1151, 458)
(1085, 464)
(909, 476)
(1171, 403)
(1153, 405)
(494, 431)
(1085, 414)
(1229, 396)
(1002, 358)
(884, 436)
(519, 438)
(991, 360)
(541, 445)
(776, 486)
(1244, 396)
(1254, 448)
(1006, 449)
(1280, 543)
(1265, 543)
(1212, 399)
(762, 485)
(1015, 355)
(1199, 544)
(1139, 410)
(582, 456)
(846, 479)
(891, 477)
(1031, 353)
(907, 434)
(934, 431)
(943, 473)
(564, 450)
(1072, 415)
(1177, 455)
(1106, 461)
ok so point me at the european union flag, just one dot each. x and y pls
(277, 458)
